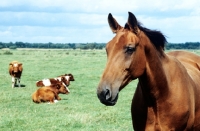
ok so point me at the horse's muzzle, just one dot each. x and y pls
(105, 97)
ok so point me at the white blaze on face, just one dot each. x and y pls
(66, 88)
(67, 77)
(15, 65)
(46, 82)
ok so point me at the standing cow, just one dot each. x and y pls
(15, 71)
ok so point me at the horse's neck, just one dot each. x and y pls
(153, 81)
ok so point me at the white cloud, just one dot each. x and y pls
(86, 20)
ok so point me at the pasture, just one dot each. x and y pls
(81, 110)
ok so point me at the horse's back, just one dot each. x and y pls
(191, 62)
(187, 58)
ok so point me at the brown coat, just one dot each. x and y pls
(15, 71)
(49, 93)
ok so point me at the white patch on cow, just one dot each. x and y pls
(13, 79)
(46, 82)
(66, 87)
(58, 78)
(67, 77)
(55, 101)
(15, 64)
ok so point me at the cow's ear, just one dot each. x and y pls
(10, 63)
(71, 77)
(20, 67)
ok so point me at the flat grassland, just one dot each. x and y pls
(79, 111)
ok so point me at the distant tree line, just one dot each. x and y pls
(85, 46)
(50, 45)
(187, 45)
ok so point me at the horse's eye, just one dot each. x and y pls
(130, 50)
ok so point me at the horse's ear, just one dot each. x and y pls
(113, 23)
(126, 26)
(132, 22)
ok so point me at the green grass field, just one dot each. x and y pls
(79, 111)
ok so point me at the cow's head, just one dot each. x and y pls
(16, 67)
(70, 77)
(66, 78)
(61, 88)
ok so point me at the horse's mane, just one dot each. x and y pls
(155, 36)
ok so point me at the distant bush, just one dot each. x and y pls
(13, 47)
(7, 53)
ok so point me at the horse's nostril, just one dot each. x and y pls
(107, 94)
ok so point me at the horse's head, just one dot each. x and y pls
(125, 59)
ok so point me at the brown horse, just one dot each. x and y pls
(167, 96)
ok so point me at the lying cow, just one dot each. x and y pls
(62, 78)
(50, 81)
(15, 71)
(49, 93)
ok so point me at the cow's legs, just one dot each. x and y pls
(13, 82)
(18, 82)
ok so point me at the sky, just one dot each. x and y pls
(85, 21)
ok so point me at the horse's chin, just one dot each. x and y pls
(108, 102)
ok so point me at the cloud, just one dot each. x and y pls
(86, 21)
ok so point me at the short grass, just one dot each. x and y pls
(79, 111)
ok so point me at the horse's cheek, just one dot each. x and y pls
(138, 68)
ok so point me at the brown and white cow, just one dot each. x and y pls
(15, 71)
(65, 79)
